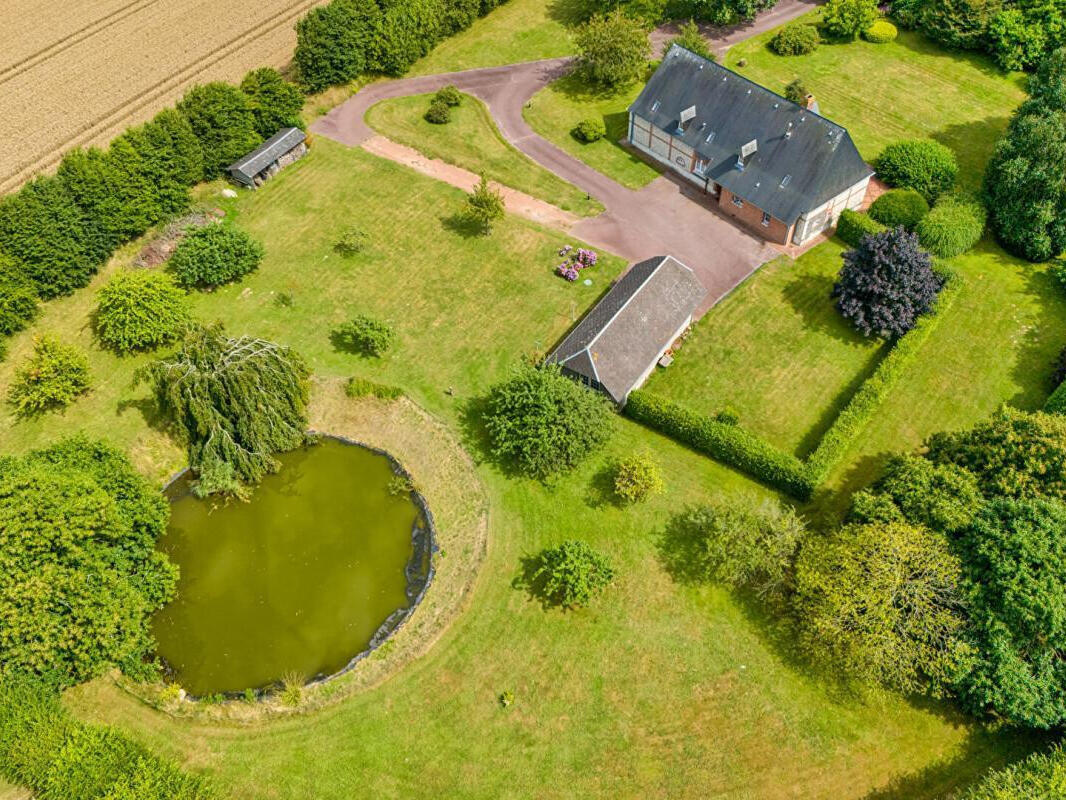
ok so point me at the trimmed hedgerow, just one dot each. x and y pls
(725, 442)
(854, 226)
(955, 225)
(921, 164)
(904, 207)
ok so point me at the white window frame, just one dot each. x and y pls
(766, 219)
(738, 201)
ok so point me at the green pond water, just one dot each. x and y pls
(297, 580)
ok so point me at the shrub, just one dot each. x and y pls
(636, 478)
(214, 255)
(846, 19)
(483, 207)
(925, 166)
(438, 113)
(1056, 403)
(691, 39)
(854, 226)
(140, 310)
(51, 378)
(956, 24)
(589, 130)
(1039, 775)
(364, 335)
(797, 39)
(363, 387)
(796, 92)
(449, 95)
(223, 119)
(895, 207)
(726, 442)
(942, 497)
(955, 225)
(881, 32)
(1015, 41)
(334, 42)
(571, 574)
(18, 304)
(543, 423)
(408, 30)
(352, 242)
(613, 49)
(276, 103)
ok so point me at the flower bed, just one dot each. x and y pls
(574, 261)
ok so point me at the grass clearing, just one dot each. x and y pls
(472, 141)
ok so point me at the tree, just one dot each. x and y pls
(1039, 775)
(214, 255)
(333, 42)
(613, 49)
(1015, 581)
(223, 119)
(82, 576)
(18, 300)
(943, 497)
(276, 103)
(846, 19)
(1047, 86)
(1015, 40)
(636, 478)
(51, 378)
(1014, 454)
(140, 310)
(483, 207)
(904, 207)
(689, 37)
(543, 422)
(365, 335)
(408, 31)
(927, 167)
(170, 159)
(958, 24)
(571, 574)
(92, 181)
(882, 604)
(887, 282)
(237, 401)
(796, 92)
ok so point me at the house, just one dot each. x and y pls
(617, 344)
(779, 168)
(277, 152)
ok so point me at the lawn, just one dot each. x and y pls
(776, 351)
(557, 108)
(471, 140)
(908, 88)
(658, 690)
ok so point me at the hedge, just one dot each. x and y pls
(854, 226)
(728, 443)
(1056, 403)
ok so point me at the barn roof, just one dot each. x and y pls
(801, 161)
(268, 152)
(623, 334)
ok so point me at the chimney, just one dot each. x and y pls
(810, 103)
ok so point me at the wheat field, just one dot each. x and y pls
(78, 73)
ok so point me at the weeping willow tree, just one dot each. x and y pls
(237, 401)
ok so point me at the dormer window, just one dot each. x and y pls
(686, 116)
(655, 105)
(785, 181)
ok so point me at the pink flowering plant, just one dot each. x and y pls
(575, 260)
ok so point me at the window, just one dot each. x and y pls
(765, 220)
(738, 202)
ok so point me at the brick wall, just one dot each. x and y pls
(751, 217)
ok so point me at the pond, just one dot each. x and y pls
(327, 557)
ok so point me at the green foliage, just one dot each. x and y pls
(18, 300)
(613, 49)
(543, 423)
(81, 576)
(1056, 403)
(954, 226)
(854, 226)
(409, 30)
(957, 24)
(881, 604)
(334, 42)
(743, 549)
(571, 574)
(140, 310)
(224, 121)
(691, 39)
(1041, 775)
(365, 335)
(237, 401)
(904, 207)
(796, 92)
(1015, 563)
(170, 152)
(438, 113)
(797, 39)
(942, 497)
(276, 103)
(363, 387)
(881, 32)
(449, 95)
(924, 165)
(589, 130)
(352, 242)
(51, 378)
(846, 19)
(1016, 40)
(726, 442)
(213, 255)
(636, 478)
(1047, 86)
(483, 207)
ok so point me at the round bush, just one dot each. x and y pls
(51, 378)
(449, 95)
(926, 166)
(214, 255)
(571, 574)
(955, 225)
(140, 310)
(899, 207)
(881, 32)
(636, 478)
(438, 113)
(589, 130)
(795, 40)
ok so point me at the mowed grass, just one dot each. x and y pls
(909, 88)
(471, 140)
(558, 107)
(777, 351)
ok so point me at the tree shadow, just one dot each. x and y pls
(150, 412)
(465, 227)
(472, 431)
(601, 493)
(810, 297)
(1036, 357)
(973, 143)
(920, 44)
(527, 580)
(830, 505)
(571, 13)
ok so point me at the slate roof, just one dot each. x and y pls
(268, 152)
(817, 157)
(623, 334)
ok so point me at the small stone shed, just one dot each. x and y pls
(280, 150)
(617, 344)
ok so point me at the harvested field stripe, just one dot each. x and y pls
(32, 60)
(152, 92)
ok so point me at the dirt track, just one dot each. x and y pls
(80, 73)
